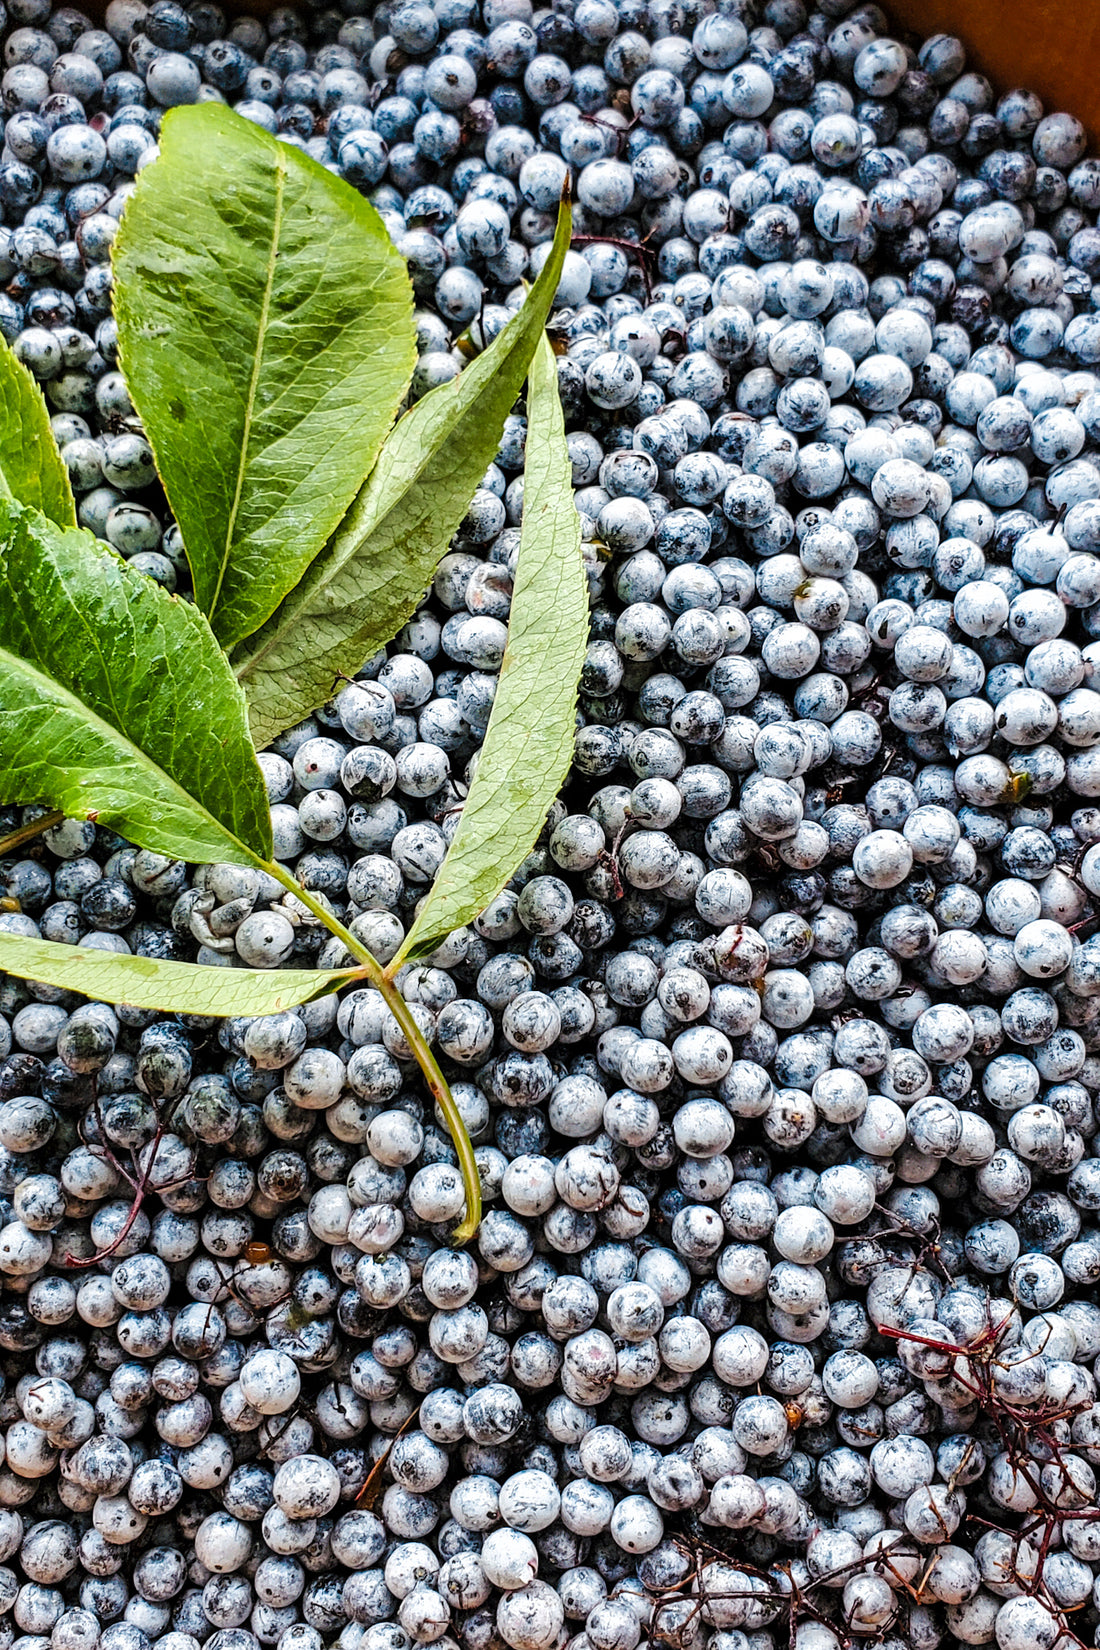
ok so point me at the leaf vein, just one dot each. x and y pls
(254, 380)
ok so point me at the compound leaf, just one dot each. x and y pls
(374, 571)
(171, 987)
(116, 702)
(266, 334)
(31, 468)
(529, 741)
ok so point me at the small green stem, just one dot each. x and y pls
(415, 1038)
(436, 1081)
(324, 915)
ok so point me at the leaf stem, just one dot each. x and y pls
(425, 1059)
(28, 832)
(437, 1083)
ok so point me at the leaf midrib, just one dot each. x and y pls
(84, 965)
(343, 548)
(254, 380)
(56, 690)
(527, 636)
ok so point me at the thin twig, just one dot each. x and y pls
(140, 1183)
(27, 833)
(368, 1495)
(639, 248)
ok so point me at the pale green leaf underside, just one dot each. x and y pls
(529, 741)
(375, 569)
(171, 987)
(32, 470)
(116, 702)
(266, 334)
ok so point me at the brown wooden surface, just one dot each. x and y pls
(1050, 46)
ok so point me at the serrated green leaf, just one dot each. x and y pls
(116, 702)
(266, 335)
(31, 468)
(171, 987)
(374, 571)
(528, 744)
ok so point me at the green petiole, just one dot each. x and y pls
(425, 1059)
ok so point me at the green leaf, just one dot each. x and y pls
(266, 334)
(529, 741)
(31, 468)
(375, 570)
(116, 702)
(172, 987)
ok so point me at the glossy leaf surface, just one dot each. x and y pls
(528, 744)
(32, 471)
(375, 569)
(266, 334)
(171, 987)
(116, 702)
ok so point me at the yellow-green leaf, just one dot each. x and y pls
(171, 987)
(31, 468)
(375, 569)
(116, 702)
(529, 741)
(266, 335)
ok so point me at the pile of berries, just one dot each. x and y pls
(780, 1053)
